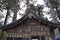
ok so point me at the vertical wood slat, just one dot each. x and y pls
(40, 25)
(56, 31)
(40, 33)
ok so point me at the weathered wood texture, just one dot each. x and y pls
(28, 28)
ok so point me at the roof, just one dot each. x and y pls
(29, 14)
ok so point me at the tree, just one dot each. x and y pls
(29, 4)
(1, 16)
(53, 13)
(56, 6)
(32, 8)
(16, 8)
(8, 4)
(39, 9)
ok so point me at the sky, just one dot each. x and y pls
(41, 2)
(22, 5)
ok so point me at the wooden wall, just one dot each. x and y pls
(28, 28)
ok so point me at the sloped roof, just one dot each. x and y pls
(30, 14)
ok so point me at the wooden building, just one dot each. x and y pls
(30, 27)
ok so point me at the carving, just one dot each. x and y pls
(28, 34)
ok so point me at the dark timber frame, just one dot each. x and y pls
(30, 25)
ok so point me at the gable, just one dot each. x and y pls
(31, 21)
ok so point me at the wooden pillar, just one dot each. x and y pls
(50, 38)
(46, 37)
(40, 25)
(51, 34)
(59, 30)
(56, 31)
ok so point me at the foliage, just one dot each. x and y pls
(5, 4)
(8, 3)
(39, 9)
(56, 5)
(31, 8)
